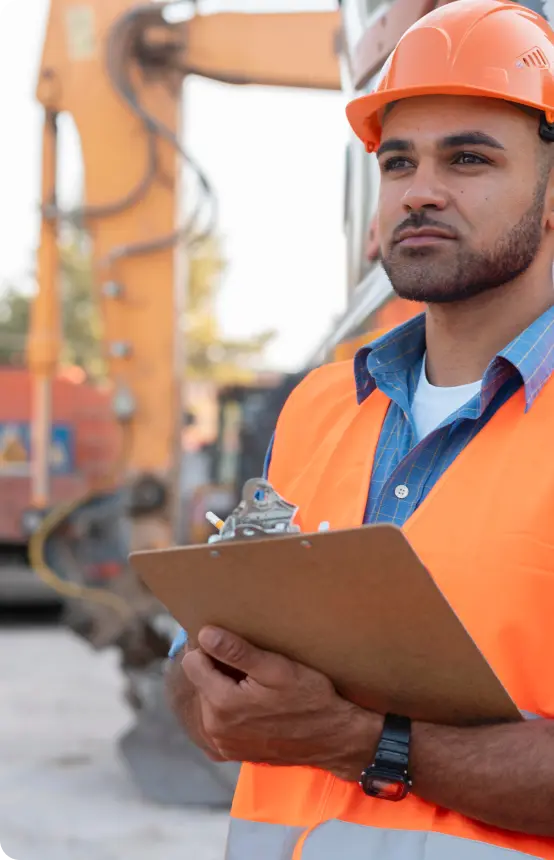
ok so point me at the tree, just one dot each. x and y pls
(14, 322)
(80, 317)
(209, 356)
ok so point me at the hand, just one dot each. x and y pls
(184, 703)
(279, 712)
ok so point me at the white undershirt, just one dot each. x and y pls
(432, 405)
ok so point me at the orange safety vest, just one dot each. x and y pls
(486, 534)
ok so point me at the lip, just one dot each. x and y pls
(424, 236)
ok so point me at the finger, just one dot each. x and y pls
(262, 666)
(203, 675)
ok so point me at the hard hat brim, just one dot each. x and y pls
(364, 113)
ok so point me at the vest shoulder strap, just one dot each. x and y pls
(310, 410)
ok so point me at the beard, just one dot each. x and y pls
(431, 276)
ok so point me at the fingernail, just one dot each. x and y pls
(210, 638)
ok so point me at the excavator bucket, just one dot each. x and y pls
(164, 763)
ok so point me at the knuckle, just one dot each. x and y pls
(311, 682)
(285, 672)
(282, 676)
(235, 650)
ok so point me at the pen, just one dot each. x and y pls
(215, 520)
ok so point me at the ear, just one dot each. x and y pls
(549, 203)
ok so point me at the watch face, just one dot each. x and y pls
(384, 787)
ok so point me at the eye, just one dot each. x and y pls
(469, 158)
(397, 162)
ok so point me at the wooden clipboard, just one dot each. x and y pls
(358, 605)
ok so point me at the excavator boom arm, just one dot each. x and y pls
(118, 69)
(282, 50)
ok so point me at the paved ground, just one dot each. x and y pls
(63, 793)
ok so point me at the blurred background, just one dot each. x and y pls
(187, 228)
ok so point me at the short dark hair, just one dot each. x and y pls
(387, 109)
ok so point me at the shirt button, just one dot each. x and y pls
(401, 491)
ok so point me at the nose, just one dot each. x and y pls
(425, 190)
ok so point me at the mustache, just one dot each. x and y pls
(419, 220)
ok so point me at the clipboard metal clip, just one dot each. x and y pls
(261, 513)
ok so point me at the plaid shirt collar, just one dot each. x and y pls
(391, 358)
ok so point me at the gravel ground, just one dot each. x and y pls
(64, 794)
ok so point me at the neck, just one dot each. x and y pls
(463, 337)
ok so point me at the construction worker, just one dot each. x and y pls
(443, 426)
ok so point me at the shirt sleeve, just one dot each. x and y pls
(267, 460)
(181, 639)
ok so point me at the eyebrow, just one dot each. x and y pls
(462, 138)
(395, 144)
(470, 138)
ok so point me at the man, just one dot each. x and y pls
(444, 427)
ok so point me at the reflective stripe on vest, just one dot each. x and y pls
(255, 840)
(338, 839)
(485, 535)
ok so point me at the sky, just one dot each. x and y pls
(280, 194)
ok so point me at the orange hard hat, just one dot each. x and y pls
(487, 48)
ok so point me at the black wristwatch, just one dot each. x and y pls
(388, 778)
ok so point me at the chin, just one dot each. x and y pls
(426, 283)
(412, 270)
(429, 294)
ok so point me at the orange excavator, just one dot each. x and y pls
(118, 69)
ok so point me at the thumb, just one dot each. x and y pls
(236, 652)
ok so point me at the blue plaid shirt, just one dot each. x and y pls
(393, 364)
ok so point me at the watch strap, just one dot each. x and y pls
(391, 766)
(394, 745)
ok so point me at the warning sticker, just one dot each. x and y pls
(81, 32)
(15, 448)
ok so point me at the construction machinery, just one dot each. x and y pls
(118, 69)
(83, 450)
(246, 415)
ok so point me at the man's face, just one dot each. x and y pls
(462, 198)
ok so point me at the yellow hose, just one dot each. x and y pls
(37, 559)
